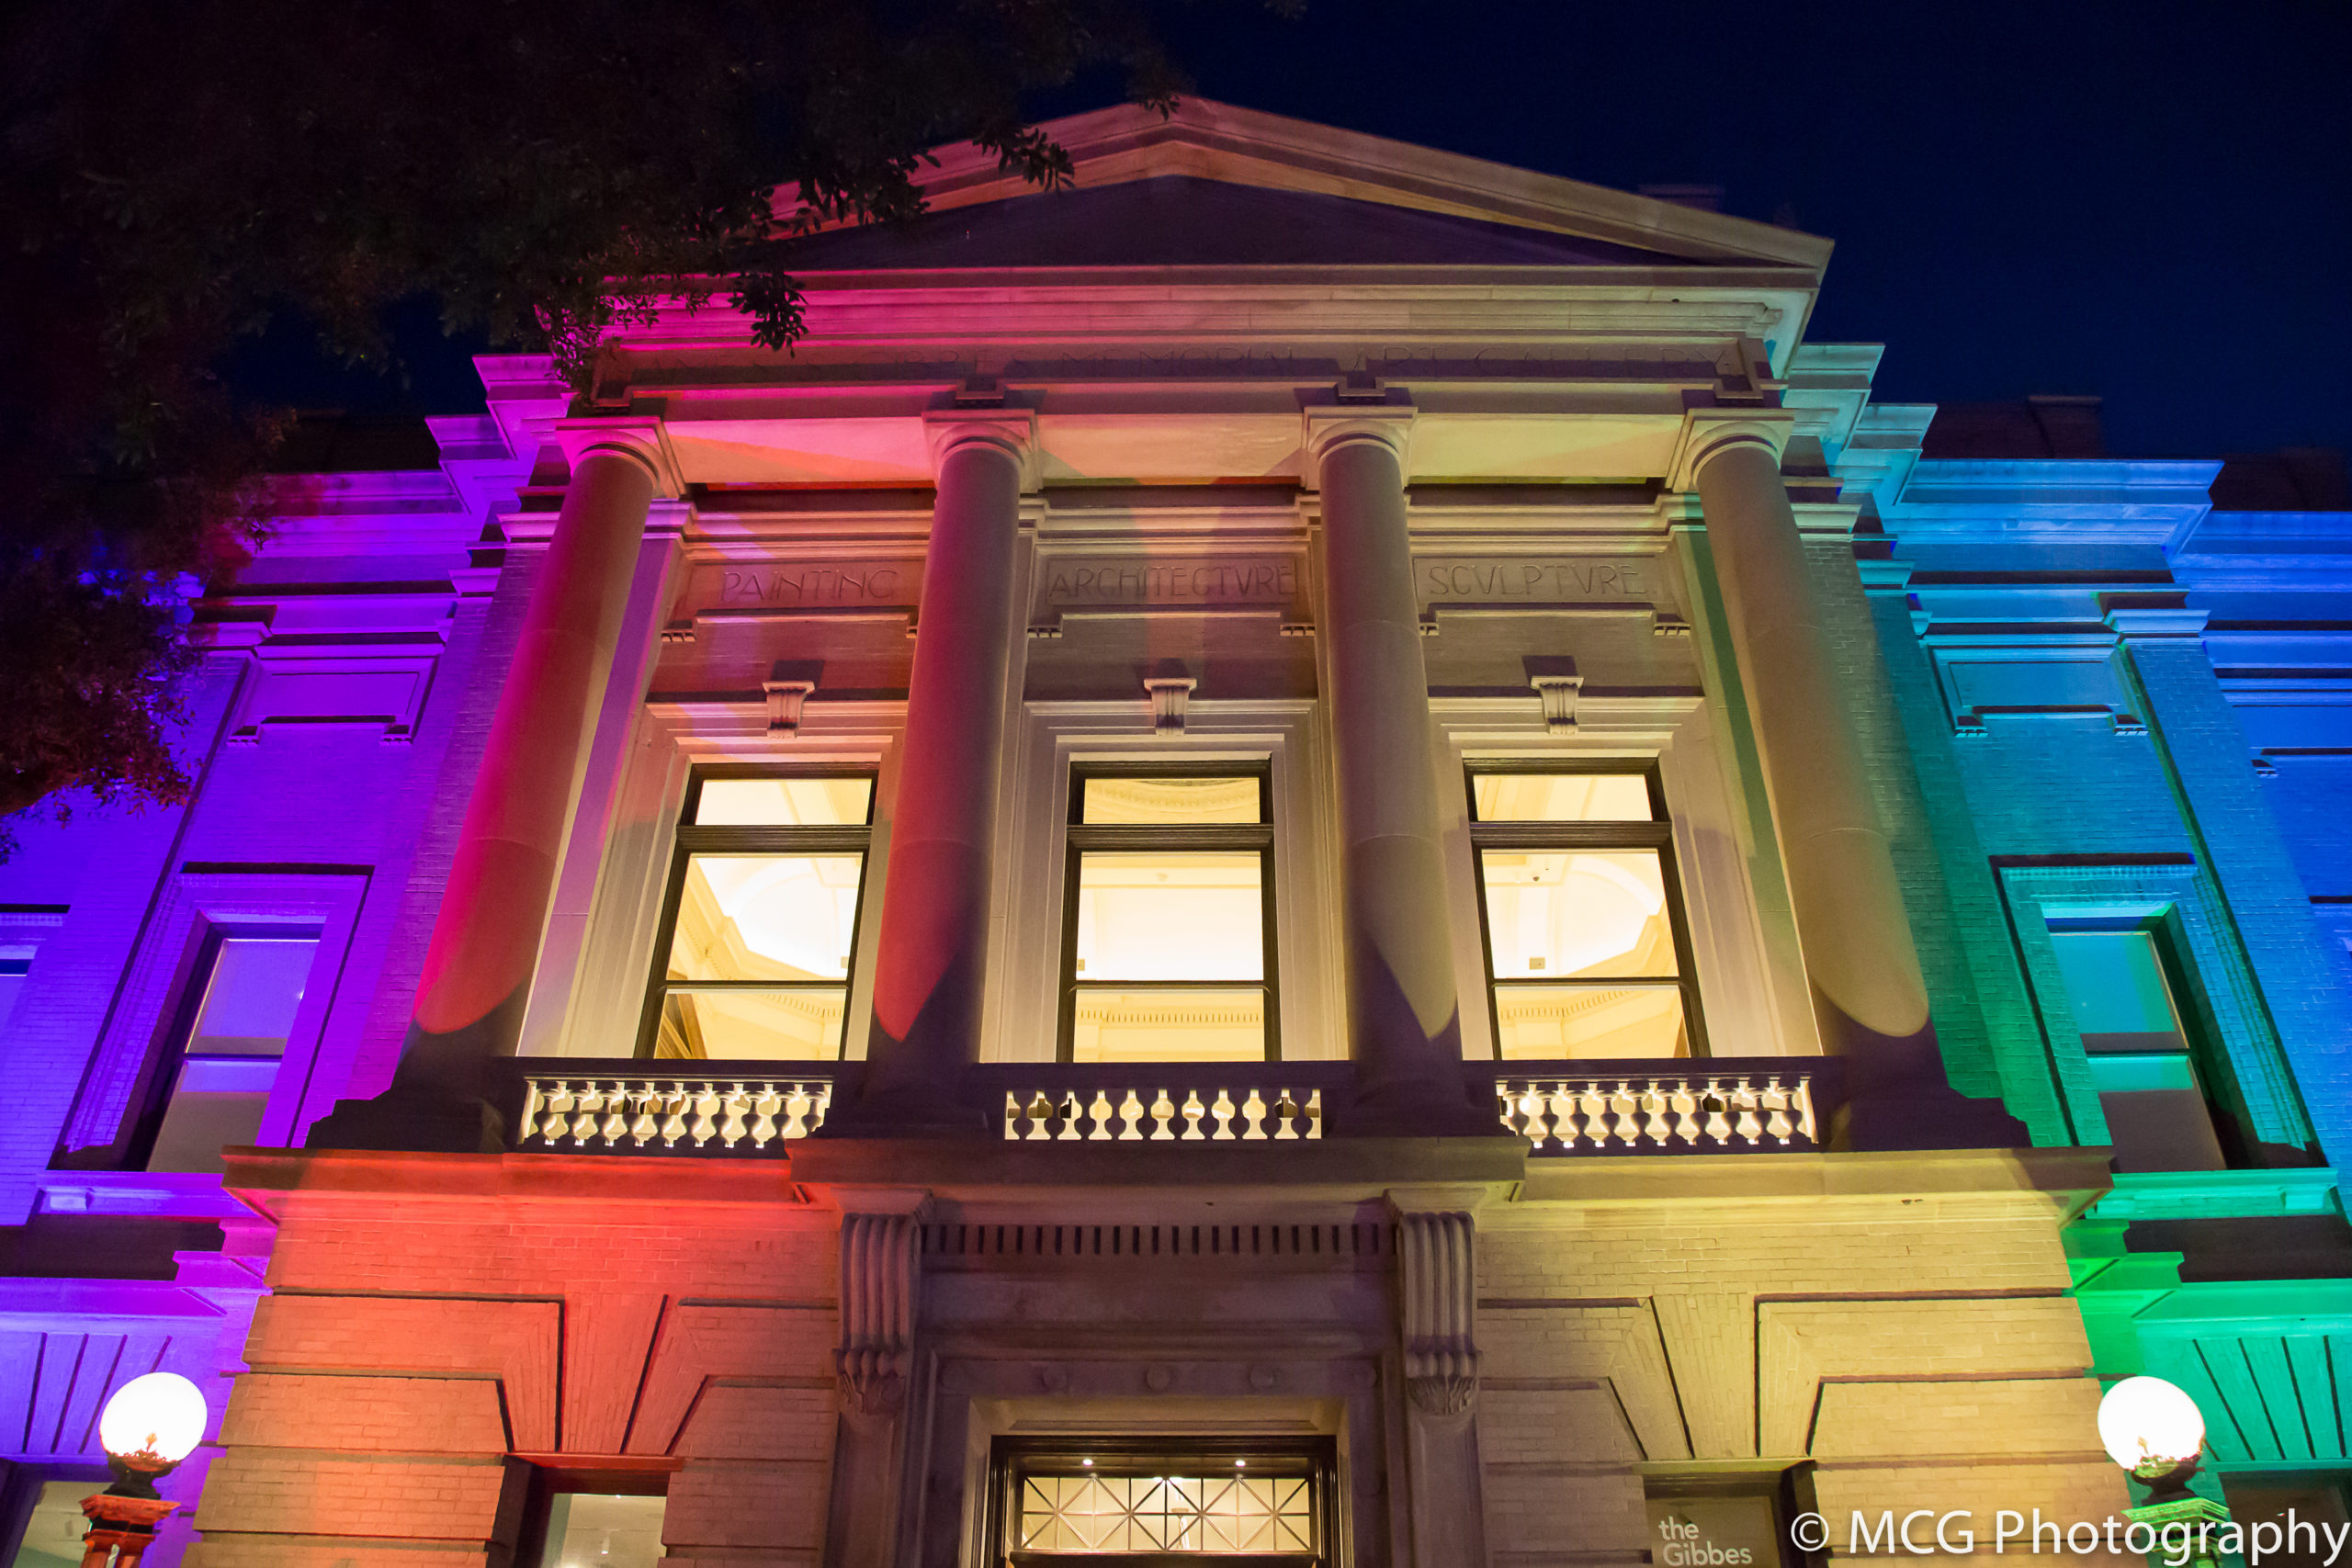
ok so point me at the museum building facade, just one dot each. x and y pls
(1315, 853)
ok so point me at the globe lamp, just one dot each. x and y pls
(150, 1425)
(2154, 1431)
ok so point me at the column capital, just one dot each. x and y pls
(1012, 431)
(1330, 427)
(643, 441)
(1708, 434)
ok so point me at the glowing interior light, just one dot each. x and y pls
(160, 1413)
(2145, 1421)
(1087, 1463)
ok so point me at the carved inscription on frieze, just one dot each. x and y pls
(1538, 579)
(784, 587)
(1072, 585)
(1081, 585)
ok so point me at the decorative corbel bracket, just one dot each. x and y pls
(881, 1274)
(1556, 682)
(1437, 1295)
(1169, 695)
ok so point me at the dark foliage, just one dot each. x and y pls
(176, 175)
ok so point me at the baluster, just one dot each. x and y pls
(1654, 1121)
(738, 1102)
(1131, 1119)
(1595, 1107)
(645, 1127)
(586, 1103)
(1560, 1102)
(1068, 1112)
(1625, 1127)
(1718, 1124)
(1012, 1117)
(532, 1100)
(1802, 1102)
(1222, 1108)
(1686, 1106)
(1314, 1113)
(1098, 1116)
(615, 1127)
(557, 1121)
(1041, 1116)
(1750, 1125)
(1253, 1112)
(765, 1108)
(674, 1125)
(1285, 1109)
(705, 1125)
(1165, 1113)
(823, 1106)
(796, 1106)
(1515, 1108)
(1776, 1100)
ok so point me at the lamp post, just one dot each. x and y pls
(2156, 1433)
(150, 1425)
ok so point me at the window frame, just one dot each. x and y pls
(1007, 1454)
(1081, 837)
(2209, 1066)
(1657, 834)
(545, 1482)
(146, 1123)
(691, 838)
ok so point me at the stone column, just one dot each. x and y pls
(931, 954)
(1404, 1016)
(1869, 1000)
(485, 946)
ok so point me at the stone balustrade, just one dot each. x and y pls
(737, 1112)
(1563, 1107)
(1722, 1106)
(1162, 1102)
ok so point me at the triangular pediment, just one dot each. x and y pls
(1190, 221)
(1212, 185)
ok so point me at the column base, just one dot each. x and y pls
(919, 1112)
(420, 1118)
(1417, 1111)
(1922, 1114)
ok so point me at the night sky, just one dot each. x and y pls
(2151, 202)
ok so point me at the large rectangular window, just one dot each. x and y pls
(1585, 952)
(2122, 994)
(1112, 1499)
(240, 1014)
(760, 935)
(1168, 952)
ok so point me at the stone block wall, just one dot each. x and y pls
(1891, 1329)
(420, 1352)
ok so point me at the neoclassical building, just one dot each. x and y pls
(1317, 854)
